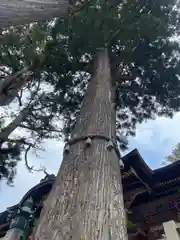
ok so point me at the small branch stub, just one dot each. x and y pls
(88, 142)
(66, 149)
(121, 164)
(110, 145)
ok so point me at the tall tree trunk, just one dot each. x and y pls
(86, 201)
(13, 12)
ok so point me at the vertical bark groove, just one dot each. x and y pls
(86, 201)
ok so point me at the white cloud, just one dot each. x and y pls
(156, 138)
(162, 130)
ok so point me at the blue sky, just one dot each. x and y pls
(154, 139)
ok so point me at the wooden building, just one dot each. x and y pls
(151, 197)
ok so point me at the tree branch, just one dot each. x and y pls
(43, 169)
(4, 71)
(26, 161)
(19, 97)
(10, 81)
(38, 128)
(21, 141)
(4, 134)
(112, 37)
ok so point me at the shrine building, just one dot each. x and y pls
(151, 199)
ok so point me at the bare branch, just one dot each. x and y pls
(19, 96)
(113, 36)
(4, 134)
(38, 128)
(31, 169)
(21, 141)
(26, 161)
(10, 86)
(7, 81)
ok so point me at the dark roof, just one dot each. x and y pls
(3, 217)
(36, 192)
(159, 182)
(151, 177)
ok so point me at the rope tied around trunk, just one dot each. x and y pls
(111, 144)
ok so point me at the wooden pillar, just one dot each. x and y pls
(170, 230)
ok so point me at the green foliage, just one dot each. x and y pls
(22, 47)
(174, 156)
(9, 157)
(144, 58)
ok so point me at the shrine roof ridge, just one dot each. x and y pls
(165, 174)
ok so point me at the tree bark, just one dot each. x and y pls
(86, 201)
(14, 12)
(12, 234)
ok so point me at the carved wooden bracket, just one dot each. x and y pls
(130, 196)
